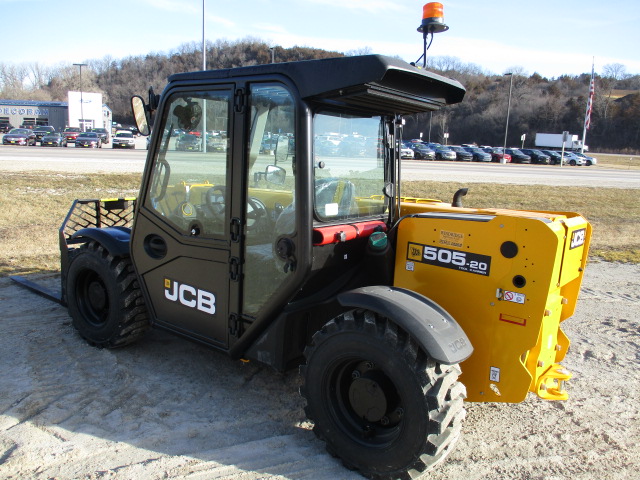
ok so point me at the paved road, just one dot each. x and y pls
(74, 160)
(521, 174)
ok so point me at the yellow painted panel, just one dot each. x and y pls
(499, 274)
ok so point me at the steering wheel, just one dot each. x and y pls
(214, 200)
(257, 215)
(163, 177)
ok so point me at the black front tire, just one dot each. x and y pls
(380, 403)
(104, 298)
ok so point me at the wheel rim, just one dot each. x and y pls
(92, 298)
(364, 402)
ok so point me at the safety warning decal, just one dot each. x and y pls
(494, 374)
(454, 259)
(514, 297)
(452, 239)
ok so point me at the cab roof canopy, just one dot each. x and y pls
(368, 82)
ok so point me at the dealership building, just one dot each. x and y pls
(83, 109)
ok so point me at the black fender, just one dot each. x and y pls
(115, 239)
(432, 326)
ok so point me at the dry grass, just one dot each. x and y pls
(34, 205)
(614, 213)
(619, 162)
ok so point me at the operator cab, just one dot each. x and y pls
(263, 184)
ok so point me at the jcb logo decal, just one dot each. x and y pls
(189, 296)
(578, 238)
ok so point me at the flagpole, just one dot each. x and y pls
(587, 113)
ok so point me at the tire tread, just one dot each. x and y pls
(443, 394)
(133, 320)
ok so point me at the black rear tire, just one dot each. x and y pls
(104, 298)
(380, 403)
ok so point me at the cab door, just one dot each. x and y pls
(185, 244)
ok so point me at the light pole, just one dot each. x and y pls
(506, 128)
(273, 54)
(80, 65)
(204, 67)
(204, 42)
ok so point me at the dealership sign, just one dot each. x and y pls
(24, 111)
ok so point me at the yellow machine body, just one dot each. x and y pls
(509, 278)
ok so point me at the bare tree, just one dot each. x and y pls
(615, 71)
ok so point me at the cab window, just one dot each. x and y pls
(189, 182)
(348, 166)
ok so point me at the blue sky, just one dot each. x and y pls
(551, 38)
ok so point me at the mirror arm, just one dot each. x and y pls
(154, 101)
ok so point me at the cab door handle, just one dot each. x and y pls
(155, 246)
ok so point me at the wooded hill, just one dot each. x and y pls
(538, 104)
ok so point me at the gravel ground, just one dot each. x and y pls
(167, 408)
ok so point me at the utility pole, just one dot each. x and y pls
(204, 42)
(506, 128)
(80, 65)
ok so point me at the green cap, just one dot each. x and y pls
(378, 240)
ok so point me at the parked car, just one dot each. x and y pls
(42, 130)
(479, 155)
(189, 142)
(537, 156)
(89, 140)
(19, 136)
(55, 139)
(445, 153)
(422, 152)
(123, 139)
(216, 144)
(517, 156)
(554, 156)
(406, 152)
(5, 127)
(588, 161)
(71, 133)
(496, 154)
(572, 159)
(104, 134)
(462, 155)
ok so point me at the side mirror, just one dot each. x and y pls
(275, 174)
(282, 148)
(140, 114)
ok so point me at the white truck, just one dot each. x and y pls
(555, 140)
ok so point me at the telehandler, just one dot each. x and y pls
(284, 239)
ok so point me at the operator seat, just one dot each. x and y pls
(335, 195)
(335, 198)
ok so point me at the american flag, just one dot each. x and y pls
(592, 91)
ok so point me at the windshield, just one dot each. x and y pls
(348, 165)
